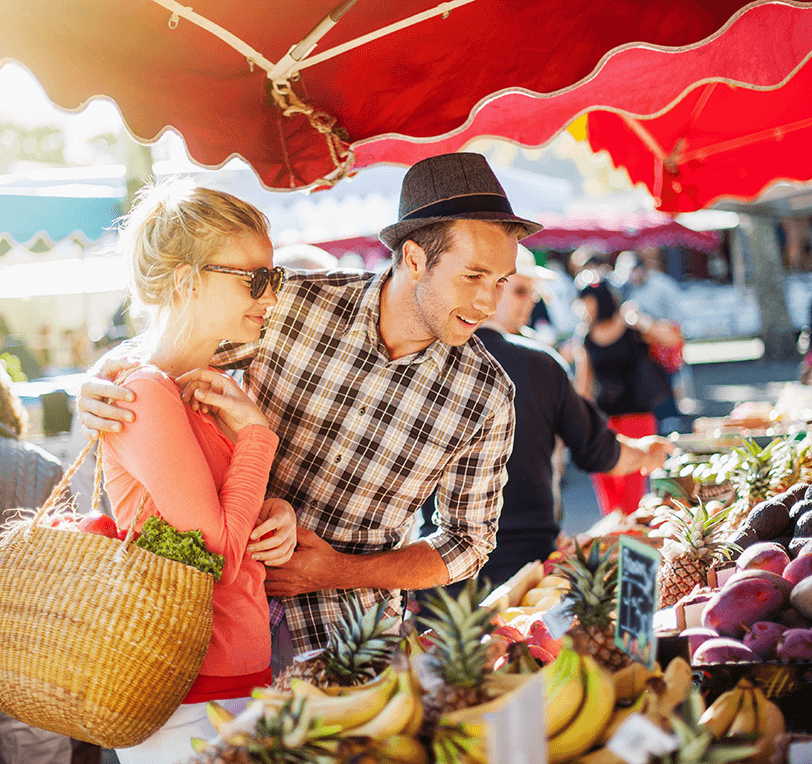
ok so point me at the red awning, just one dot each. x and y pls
(513, 68)
(719, 141)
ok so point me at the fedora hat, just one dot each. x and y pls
(459, 186)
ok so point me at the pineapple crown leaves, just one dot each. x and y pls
(699, 534)
(358, 640)
(593, 583)
(460, 626)
(290, 736)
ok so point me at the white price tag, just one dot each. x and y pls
(557, 620)
(800, 753)
(638, 739)
(513, 730)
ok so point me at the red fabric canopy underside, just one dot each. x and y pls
(719, 142)
(615, 233)
(607, 234)
(422, 82)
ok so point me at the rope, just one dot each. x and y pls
(97, 484)
(341, 154)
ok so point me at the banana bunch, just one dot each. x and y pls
(389, 706)
(745, 710)
(637, 690)
(580, 701)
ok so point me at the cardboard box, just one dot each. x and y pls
(510, 593)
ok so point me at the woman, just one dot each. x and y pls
(202, 265)
(614, 368)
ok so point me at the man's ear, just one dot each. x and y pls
(413, 260)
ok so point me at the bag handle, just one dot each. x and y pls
(95, 500)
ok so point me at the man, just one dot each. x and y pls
(546, 405)
(379, 394)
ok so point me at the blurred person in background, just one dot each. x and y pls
(28, 474)
(614, 368)
(645, 288)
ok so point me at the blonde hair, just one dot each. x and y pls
(12, 413)
(176, 223)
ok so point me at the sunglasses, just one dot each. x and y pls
(260, 278)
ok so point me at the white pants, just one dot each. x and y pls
(172, 742)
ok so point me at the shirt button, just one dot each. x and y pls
(313, 503)
(337, 459)
(362, 410)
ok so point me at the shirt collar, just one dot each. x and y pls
(365, 322)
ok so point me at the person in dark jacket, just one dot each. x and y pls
(28, 474)
(546, 405)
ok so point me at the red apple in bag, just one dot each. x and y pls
(100, 524)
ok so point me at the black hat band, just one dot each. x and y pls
(462, 205)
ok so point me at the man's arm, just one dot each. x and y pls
(315, 565)
(469, 499)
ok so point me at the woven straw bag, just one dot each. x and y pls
(99, 640)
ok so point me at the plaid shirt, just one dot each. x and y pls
(364, 440)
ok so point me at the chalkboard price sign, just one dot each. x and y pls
(637, 600)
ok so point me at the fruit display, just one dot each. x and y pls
(760, 613)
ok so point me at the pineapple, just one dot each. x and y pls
(454, 668)
(593, 602)
(690, 553)
(759, 473)
(357, 651)
(289, 737)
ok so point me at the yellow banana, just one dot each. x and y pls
(335, 689)
(760, 706)
(678, 679)
(355, 709)
(218, 716)
(499, 682)
(303, 689)
(564, 690)
(393, 718)
(475, 713)
(720, 714)
(630, 681)
(745, 720)
(600, 756)
(579, 736)
(772, 726)
(268, 693)
(402, 749)
(619, 715)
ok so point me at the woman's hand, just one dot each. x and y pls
(223, 397)
(275, 534)
(97, 395)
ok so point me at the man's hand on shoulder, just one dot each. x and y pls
(96, 402)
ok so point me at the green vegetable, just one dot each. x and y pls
(159, 537)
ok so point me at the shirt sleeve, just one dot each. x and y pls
(469, 495)
(231, 355)
(161, 451)
(593, 446)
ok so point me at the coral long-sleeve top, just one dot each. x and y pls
(197, 478)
